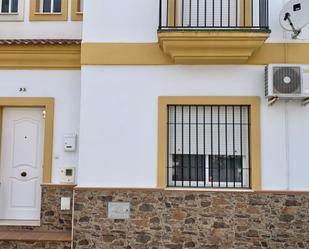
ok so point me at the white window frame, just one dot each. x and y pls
(51, 8)
(19, 16)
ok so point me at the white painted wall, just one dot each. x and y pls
(40, 30)
(118, 136)
(64, 86)
(121, 21)
(116, 21)
(137, 21)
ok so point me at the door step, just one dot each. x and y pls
(31, 223)
(36, 236)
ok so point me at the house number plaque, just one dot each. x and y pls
(118, 210)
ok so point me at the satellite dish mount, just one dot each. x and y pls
(296, 32)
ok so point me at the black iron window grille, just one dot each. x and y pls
(208, 146)
(213, 14)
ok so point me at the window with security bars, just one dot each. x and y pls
(208, 146)
(8, 6)
(48, 6)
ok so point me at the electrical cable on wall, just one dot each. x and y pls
(287, 143)
(299, 39)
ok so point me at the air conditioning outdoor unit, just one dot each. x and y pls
(287, 81)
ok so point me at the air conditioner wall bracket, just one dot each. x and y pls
(306, 102)
(272, 100)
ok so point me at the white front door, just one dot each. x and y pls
(21, 162)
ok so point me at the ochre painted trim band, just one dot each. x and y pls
(123, 54)
(281, 53)
(40, 56)
(72, 56)
(151, 54)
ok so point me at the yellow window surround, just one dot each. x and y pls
(36, 15)
(253, 102)
(76, 11)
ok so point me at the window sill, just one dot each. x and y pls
(38, 16)
(209, 190)
(9, 14)
(47, 14)
(18, 223)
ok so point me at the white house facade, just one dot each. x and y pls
(153, 124)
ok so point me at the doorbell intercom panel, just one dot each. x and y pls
(69, 141)
(67, 175)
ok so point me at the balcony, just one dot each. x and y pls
(212, 31)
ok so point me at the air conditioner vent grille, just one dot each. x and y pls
(287, 80)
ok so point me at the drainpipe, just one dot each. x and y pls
(287, 144)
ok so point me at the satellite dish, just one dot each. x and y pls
(294, 16)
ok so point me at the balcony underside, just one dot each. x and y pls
(211, 47)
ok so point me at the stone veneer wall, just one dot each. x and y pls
(52, 217)
(183, 219)
(35, 245)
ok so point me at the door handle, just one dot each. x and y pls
(23, 174)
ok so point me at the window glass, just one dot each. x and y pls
(188, 167)
(51, 6)
(57, 6)
(225, 169)
(5, 8)
(14, 8)
(46, 6)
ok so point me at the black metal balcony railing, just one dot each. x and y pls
(213, 14)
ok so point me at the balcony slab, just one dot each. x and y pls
(211, 47)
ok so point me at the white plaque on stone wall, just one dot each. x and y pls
(118, 210)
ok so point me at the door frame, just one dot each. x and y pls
(48, 104)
